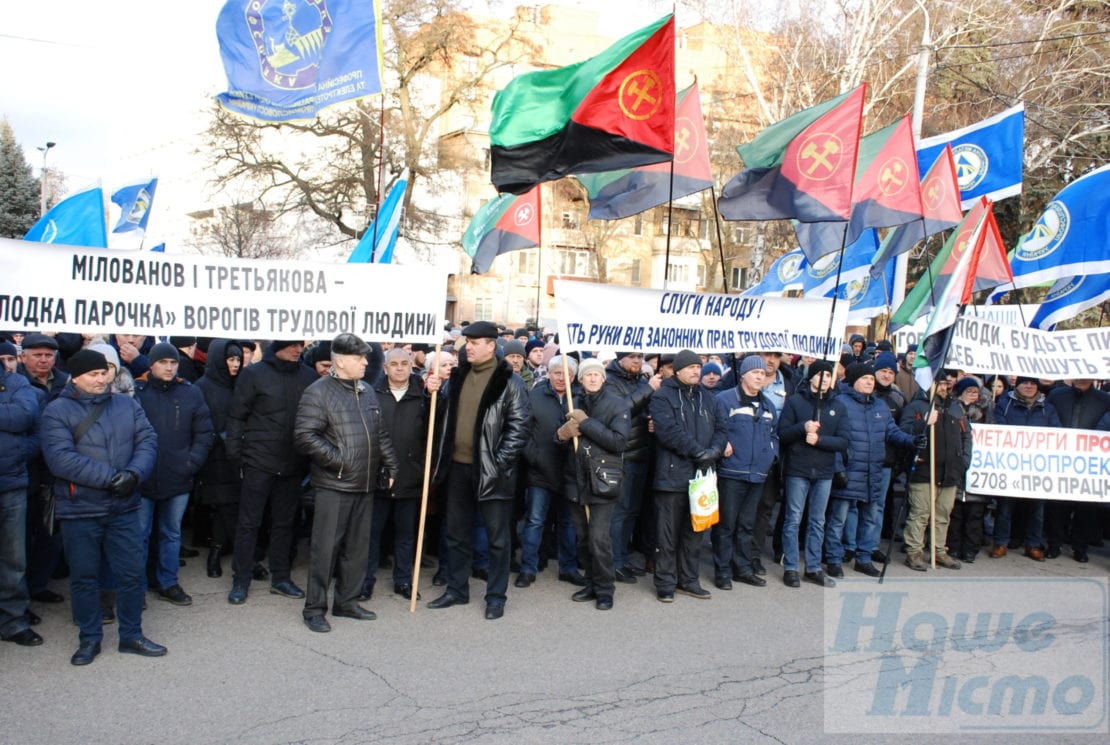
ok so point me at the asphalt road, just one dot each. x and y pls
(743, 667)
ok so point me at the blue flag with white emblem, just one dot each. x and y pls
(1069, 297)
(786, 273)
(134, 203)
(76, 221)
(1070, 238)
(988, 156)
(867, 296)
(288, 59)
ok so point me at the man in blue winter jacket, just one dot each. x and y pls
(100, 447)
(753, 444)
(19, 442)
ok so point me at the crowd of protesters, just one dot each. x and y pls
(113, 450)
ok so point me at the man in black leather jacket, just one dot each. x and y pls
(340, 427)
(486, 430)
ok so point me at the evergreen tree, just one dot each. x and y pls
(19, 190)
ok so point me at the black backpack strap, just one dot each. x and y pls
(92, 416)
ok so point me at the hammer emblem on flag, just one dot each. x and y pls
(822, 159)
(641, 95)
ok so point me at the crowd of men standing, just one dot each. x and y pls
(106, 444)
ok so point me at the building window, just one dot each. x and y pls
(678, 273)
(574, 263)
(703, 228)
(701, 275)
(526, 263)
(483, 309)
(741, 234)
(638, 225)
(570, 220)
(634, 272)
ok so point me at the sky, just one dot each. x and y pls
(112, 84)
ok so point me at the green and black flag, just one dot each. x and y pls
(612, 111)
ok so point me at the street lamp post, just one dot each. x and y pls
(42, 178)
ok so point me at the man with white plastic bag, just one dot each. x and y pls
(690, 435)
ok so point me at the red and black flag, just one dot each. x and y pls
(610, 112)
(506, 223)
(617, 194)
(802, 167)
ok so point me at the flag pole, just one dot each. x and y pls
(836, 289)
(539, 251)
(378, 190)
(670, 227)
(570, 408)
(424, 489)
(720, 241)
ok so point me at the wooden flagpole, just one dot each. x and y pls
(570, 408)
(424, 489)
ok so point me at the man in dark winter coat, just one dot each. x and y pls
(544, 457)
(1080, 406)
(340, 427)
(625, 377)
(260, 441)
(943, 425)
(753, 446)
(813, 430)
(40, 356)
(177, 411)
(19, 442)
(870, 430)
(484, 435)
(404, 406)
(100, 447)
(690, 435)
(1024, 406)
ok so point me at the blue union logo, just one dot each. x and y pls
(972, 164)
(1047, 235)
(289, 37)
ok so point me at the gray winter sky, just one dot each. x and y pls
(109, 82)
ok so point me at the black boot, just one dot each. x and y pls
(214, 568)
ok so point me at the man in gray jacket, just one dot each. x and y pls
(339, 426)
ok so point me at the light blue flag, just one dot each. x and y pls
(76, 221)
(1069, 297)
(1072, 236)
(288, 59)
(134, 202)
(988, 155)
(785, 274)
(377, 243)
(820, 277)
(869, 296)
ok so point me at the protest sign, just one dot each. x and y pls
(1008, 315)
(599, 318)
(1040, 463)
(66, 288)
(988, 348)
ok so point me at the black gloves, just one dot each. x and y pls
(123, 484)
(920, 442)
(707, 457)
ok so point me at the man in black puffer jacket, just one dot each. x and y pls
(486, 429)
(260, 441)
(624, 377)
(177, 411)
(690, 434)
(340, 427)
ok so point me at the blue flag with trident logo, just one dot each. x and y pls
(987, 155)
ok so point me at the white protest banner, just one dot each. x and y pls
(982, 346)
(66, 288)
(1040, 463)
(599, 318)
(1007, 315)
